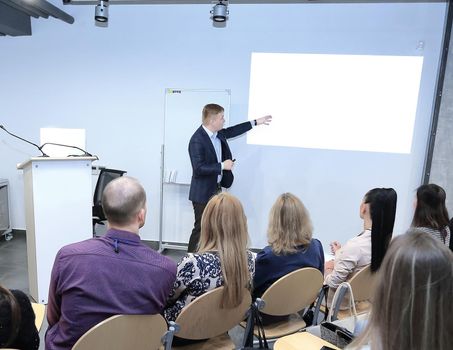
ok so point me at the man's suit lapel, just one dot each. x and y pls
(225, 147)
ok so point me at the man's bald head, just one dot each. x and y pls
(122, 200)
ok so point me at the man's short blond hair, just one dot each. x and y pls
(210, 110)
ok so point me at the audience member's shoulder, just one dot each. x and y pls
(265, 253)
(353, 246)
(189, 257)
(78, 247)
(360, 238)
(201, 258)
(316, 243)
(157, 259)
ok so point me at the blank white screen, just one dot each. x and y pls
(337, 102)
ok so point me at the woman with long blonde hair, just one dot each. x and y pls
(412, 306)
(222, 258)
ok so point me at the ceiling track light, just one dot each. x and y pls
(220, 11)
(101, 12)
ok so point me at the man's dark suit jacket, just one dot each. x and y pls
(205, 166)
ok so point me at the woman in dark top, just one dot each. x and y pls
(17, 321)
(291, 246)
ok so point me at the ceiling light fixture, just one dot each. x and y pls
(220, 11)
(101, 12)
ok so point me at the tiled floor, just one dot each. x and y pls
(13, 263)
(14, 275)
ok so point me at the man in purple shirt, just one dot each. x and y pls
(115, 274)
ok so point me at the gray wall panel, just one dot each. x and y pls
(442, 163)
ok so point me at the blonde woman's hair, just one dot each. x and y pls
(224, 228)
(412, 306)
(289, 225)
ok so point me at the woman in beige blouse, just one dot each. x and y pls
(377, 211)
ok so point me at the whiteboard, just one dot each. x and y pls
(183, 109)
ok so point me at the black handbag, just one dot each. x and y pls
(336, 335)
(309, 315)
(331, 332)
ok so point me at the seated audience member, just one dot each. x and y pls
(222, 258)
(17, 321)
(114, 274)
(291, 246)
(412, 307)
(431, 215)
(378, 213)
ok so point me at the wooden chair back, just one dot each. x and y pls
(40, 311)
(292, 292)
(121, 332)
(204, 318)
(362, 284)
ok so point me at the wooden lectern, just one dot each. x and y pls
(58, 202)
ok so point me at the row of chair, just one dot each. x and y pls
(201, 319)
(205, 319)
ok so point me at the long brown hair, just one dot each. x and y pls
(412, 306)
(430, 210)
(224, 228)
(289, 225)
(8, 301)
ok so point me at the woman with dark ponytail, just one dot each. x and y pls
(17, 321)
(383, 209)
(377, 211)
(431, 215)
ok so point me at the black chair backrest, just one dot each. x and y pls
(105, 176)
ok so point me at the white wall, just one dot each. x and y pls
(111, 82)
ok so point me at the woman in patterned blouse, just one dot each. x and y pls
(222, 258)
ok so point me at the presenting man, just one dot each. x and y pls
(212, 161)
(114, 274)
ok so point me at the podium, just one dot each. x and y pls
(58, 202)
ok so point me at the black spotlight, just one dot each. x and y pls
(101, 12)
(220, 11)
